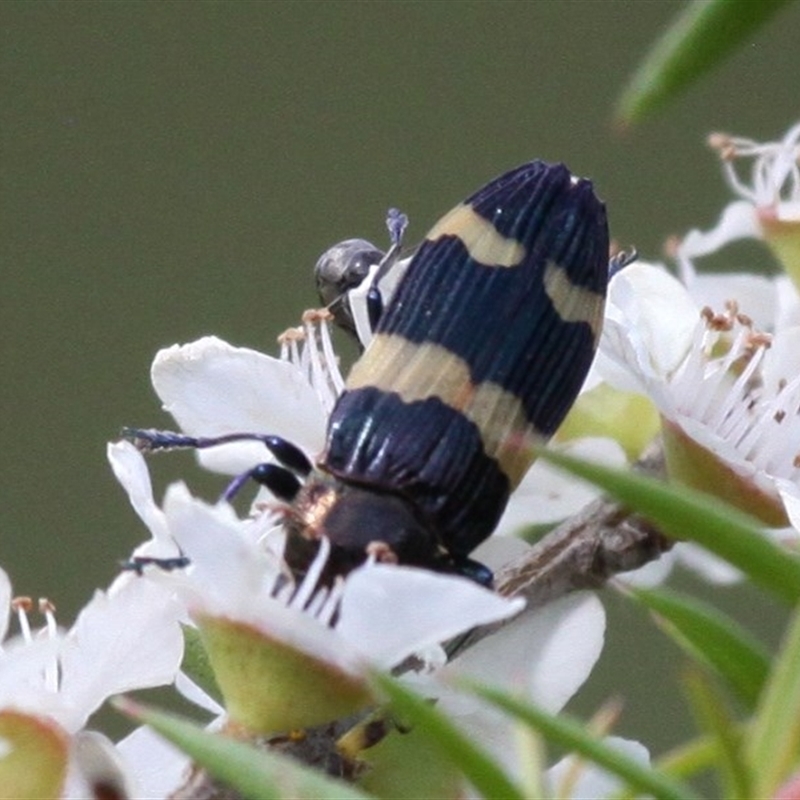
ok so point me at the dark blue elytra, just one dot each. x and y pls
(502, 323)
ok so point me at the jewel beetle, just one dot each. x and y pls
(474, 362)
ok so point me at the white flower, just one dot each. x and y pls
(768, 207)
(238, 591)
(722, 388)
(771, 195)
(124, 639)
(383, 613)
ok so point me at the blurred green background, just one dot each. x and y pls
(173, 169)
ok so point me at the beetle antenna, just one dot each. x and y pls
(149, 440)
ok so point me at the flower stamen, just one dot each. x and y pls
(310, 350)
(775, 173)
(48, 610)
(309, 583)
(22, 606)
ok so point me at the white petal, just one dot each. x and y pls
(652, 574)
(788, 211)
(739, 220)
(194, 694)
(5, 604)
(549, 651)
(159, 767)
(131, 471)
(94, 761)
(228, 569)
(790, 495)
(25, 669)
(651, 323)
(782, 361)
(548, 494)
(128, 640)
(388, 612)
(213, 388)
(357, 297)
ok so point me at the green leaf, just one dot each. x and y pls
(700, 38)
(684, 513)
(715, 718)
(713, 637)
(688, 758)
(196, 663)
(572, 735)
(446, 739)
(774, 742)
(251, 771)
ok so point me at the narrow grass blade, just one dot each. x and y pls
(774, 742)
(704, 34)
(714, 717)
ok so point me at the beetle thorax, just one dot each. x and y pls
(360, 522)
